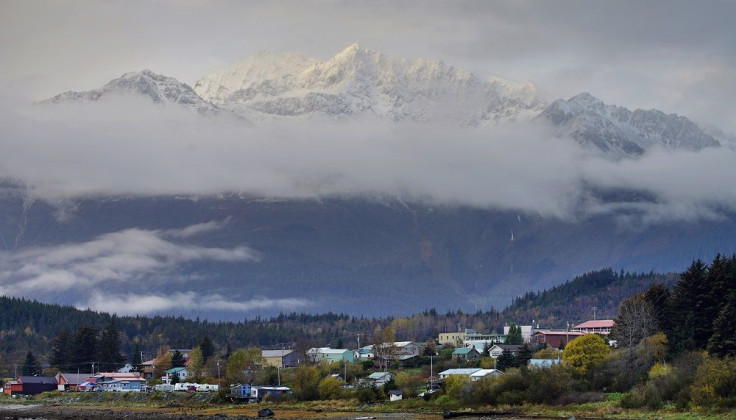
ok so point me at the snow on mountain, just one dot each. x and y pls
(361, 82)
(620, 132)
(161, 89)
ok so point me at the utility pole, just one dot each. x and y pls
(218, 372)
(358, 341)
(595, 308)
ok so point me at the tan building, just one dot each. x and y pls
(280, 358)
(454, 339)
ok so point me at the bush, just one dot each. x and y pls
(547, 385)
(367, 395)
(715, 384)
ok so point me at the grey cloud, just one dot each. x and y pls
(115, 257)
(134, 147)
(143, 304)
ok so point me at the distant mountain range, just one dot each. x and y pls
(373, 255)
(358, 83)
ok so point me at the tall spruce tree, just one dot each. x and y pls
(177, 359)
(685, 310)
(85, 348)
(108, 351)
(31, 367)
(135, 359)
(208, 350)
(61, 351)
(723, 341)
(524, 356)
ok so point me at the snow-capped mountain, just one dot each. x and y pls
(618, 131)
(159, 88)
(362, 82)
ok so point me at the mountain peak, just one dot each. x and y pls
(358, 81)
(157, 87)
(620, 132)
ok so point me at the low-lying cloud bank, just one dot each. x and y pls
(130, 146)
(183, 302)
(124, 272)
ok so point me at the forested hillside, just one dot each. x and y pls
(31, 325)
(594, 294)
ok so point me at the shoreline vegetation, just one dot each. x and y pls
(182, 406)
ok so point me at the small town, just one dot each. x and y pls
(467, 353)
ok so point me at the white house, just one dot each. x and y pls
(449, 372)
(483, 373)
(379, 378)
(181, 372)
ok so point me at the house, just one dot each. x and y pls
(379, 378)
(319, 354)
(449, 372)
(554, 338)
(32, 385)
(12, 388)
(498, 349)
(397, 350)
(147, 368)
(280, 358)
(181, 372)
(466, 354)
(483, 373)
(602, 327)
(123, 382)
(70, 381)
(454, 339)
(395, 395)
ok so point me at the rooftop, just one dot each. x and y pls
(601, 323)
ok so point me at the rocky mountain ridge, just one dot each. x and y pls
(359, 83)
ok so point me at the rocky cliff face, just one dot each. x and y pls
(620, 132)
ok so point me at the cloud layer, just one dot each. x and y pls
(126, 272)
(130, 146)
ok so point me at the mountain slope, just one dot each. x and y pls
(620, 132)
(158, 88)
(362, 82)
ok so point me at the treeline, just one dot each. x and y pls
(30, 325)
(574, 300)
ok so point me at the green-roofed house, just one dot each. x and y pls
(329, 355)
(180, 371)
(466, 354)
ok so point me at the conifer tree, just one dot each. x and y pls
(135, 359)
(723, 341)
(85, 348)
(208, 350)
(505, 361)
(177, 359)
(61, 351)
(31, 367)
(108, 351)
(524, 356)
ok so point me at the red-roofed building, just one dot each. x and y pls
(553, 338)
(601, 326)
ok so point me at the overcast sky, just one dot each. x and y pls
(677, 56)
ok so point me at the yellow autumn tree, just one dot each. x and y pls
(585, 351)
